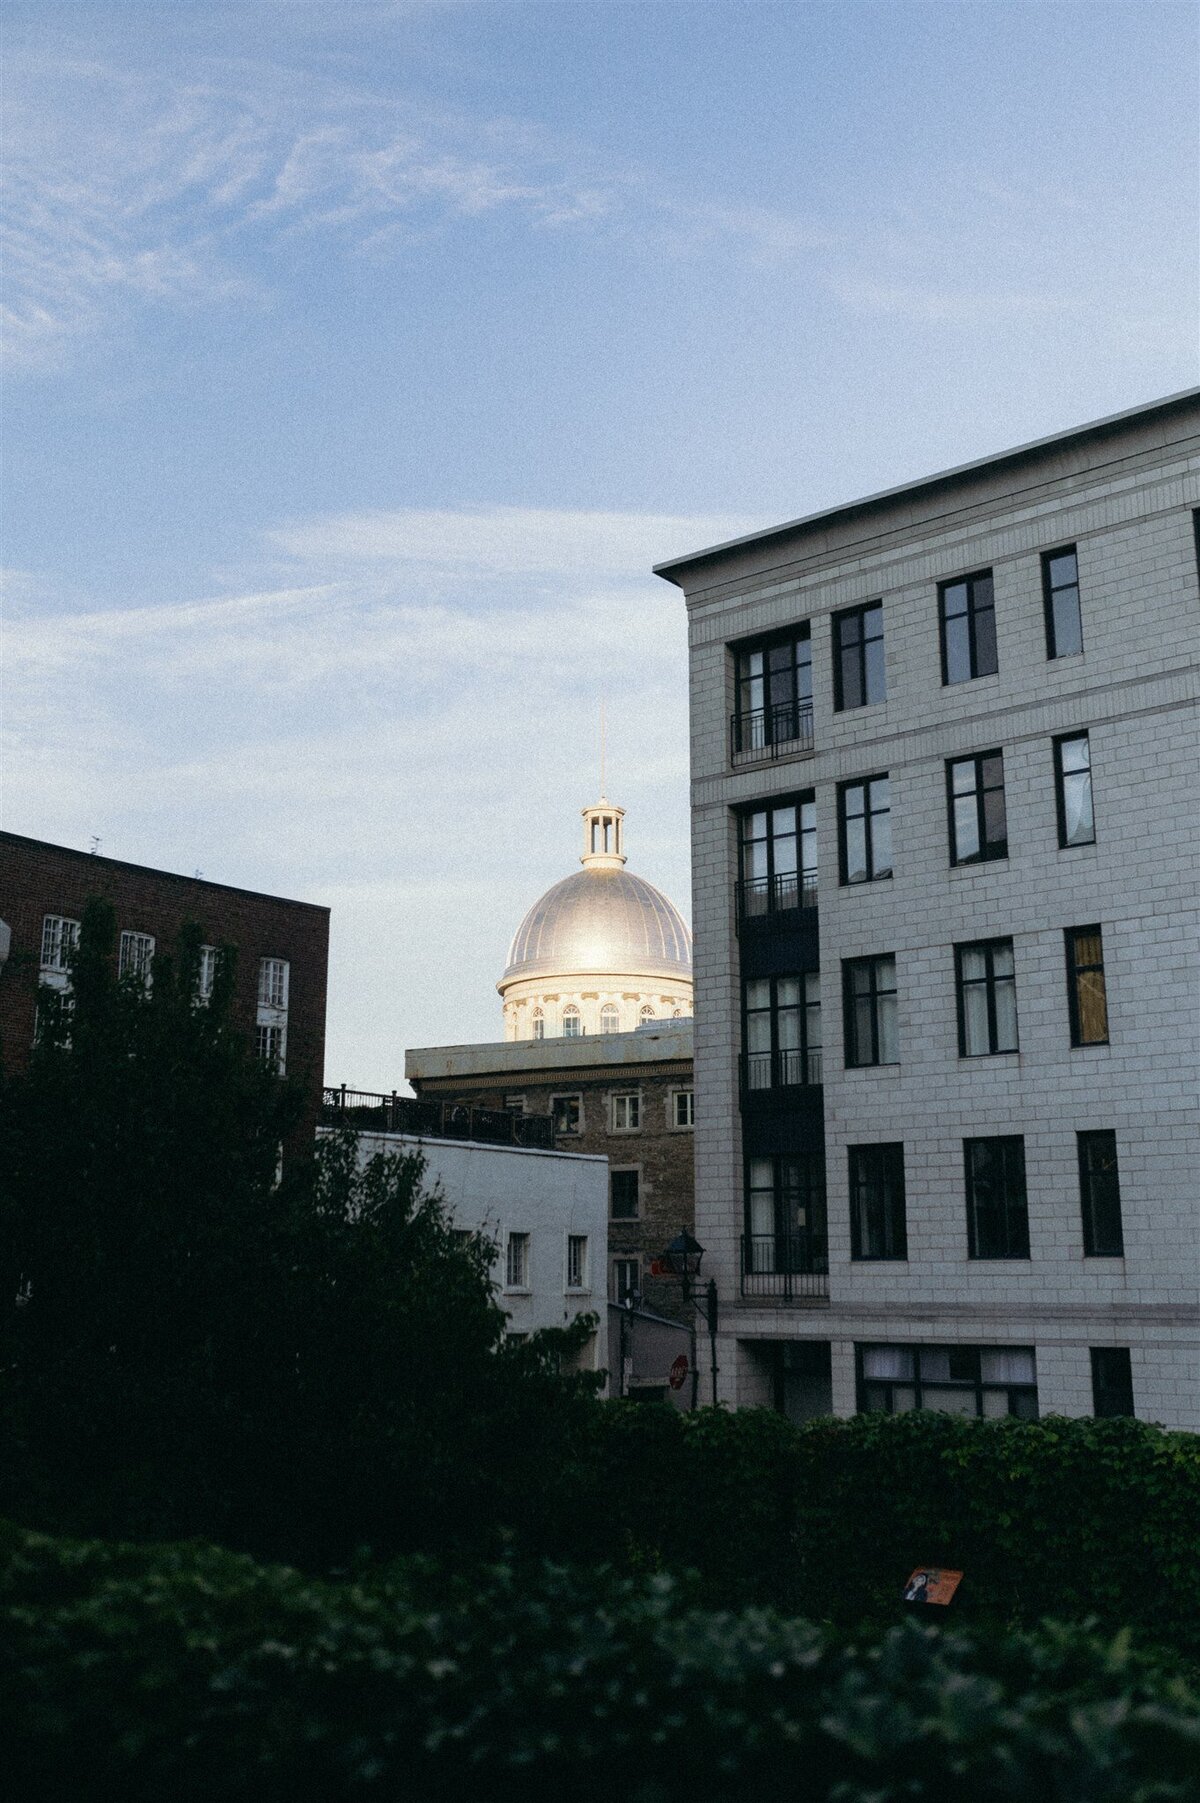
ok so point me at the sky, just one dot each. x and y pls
(360, 361)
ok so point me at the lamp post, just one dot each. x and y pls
(682, 1258)
(629, 1308)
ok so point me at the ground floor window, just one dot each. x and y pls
(956, 1380)
(1112, 1381)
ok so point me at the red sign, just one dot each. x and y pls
(678, 1371)
(927, 1585)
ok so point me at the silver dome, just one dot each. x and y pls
(601, 921)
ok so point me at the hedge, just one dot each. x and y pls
(191, 1673)
(1073, 1518)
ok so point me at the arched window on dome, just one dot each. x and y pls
(539, 1024)
(645, 1014)
(572, 1026)
(677, 1014)
(610, 1020)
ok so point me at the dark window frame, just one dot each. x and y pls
(1100, 1213)
(1077, 971)
(969, 1359)
(789, 1067)
(1060, 787)
(626, 1171)
(1112, 1383)
(787, 890)
(784, 721)
(989, 948)
(567, 1095)
(797, 1179)
(973, 613)
(878, 1207)
(1050, 591)
(1011, 1204)
(856, 649)
(990, 850)
(873, 994)
(869, 816)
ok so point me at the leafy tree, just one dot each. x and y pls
(192, 1343)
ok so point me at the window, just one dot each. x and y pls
(623, 1194)
(610, 1020)
(571, 1023)
(136, 956)
(997, 1213)
(865, 829)
(1060, 588)
(956, 1380)
(1100, 1194)
(683, 1105)
(566, 1112)
(206, 973)
(539, 1024)
(514, 1104)
(626, 1276)
(577, 1261)
(781, 1031)
(516, 1262)
(1112, 1382)
(877, 1216)
(968, 614)
(273, 983)
(777, 858)
(60, 937)
(1073, 790)
(272, 1047)
(858, 677)
(774, 695)
(627, 1112)
(785, 1216)
(1085, 986)
(645, 1015)
(975, 792)
(869, 994)
(987, 997)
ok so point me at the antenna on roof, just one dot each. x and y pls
(603, 748)
(95, 845)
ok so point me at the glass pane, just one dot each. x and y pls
(787, 992)
(985, 643)
(1063, 569)
(1006, 1016)
(851, 669)
(1093, 1007)
(962, 776)
(887, 1361)
(861, 1051)
(903, 1399)
(875, 1399)
(758, 1032)
(1075, 755)
(856, 851)
(954, 599)
(1023, 1404)
(958, 650)
(935, 1364)
(966, 828)
(889, 1052)
(995, 1404)
(1007, 1365)
(949, 1402)
(881, 844)
(974, 963)
(975, 1022)
(1077, 809)
(875, 677)
(994, 823)
(758, 994)
(1068, 632)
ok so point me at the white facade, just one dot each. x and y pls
(839, 1328)
(547, 1213)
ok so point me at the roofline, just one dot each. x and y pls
(847, 510)
(171, 876)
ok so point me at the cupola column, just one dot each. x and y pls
(603, 836)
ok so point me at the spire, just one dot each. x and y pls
(603, 836)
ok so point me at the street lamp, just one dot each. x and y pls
(682, 1259)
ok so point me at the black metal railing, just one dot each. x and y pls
(794, 1266)
(434, 1119)
(757, 897)
(771, 732)
(785, 1068)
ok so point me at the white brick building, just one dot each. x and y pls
(971, 705)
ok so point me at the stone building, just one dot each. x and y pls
(946, 756)
(282, 946)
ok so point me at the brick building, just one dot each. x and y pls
(947, 1129)
(282, 946)
(624, 1096)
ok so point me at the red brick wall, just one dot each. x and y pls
(38, 879)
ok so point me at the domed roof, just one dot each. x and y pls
(597, 921)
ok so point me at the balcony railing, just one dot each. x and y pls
(759, 896)
(771, 732)
(433, 1119)
(791, 1266)
(787, 1068)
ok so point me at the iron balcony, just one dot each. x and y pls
(771, 732)
(759, 897)
(791, 1267)
(432, 1119)
(785, 1068)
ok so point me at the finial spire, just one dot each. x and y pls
(603, 748)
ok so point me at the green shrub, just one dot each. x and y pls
(184, 1672)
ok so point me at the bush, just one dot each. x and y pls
(187, 1672)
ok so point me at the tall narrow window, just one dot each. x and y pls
(858, 676)
(60, 937)
(1112, 1382)
(774, 696)
(968, 613)
(539, 1024)
(572, 1026)
(997, 1211)
(627, 1112)
(626, 1276)
(610, 1020)
(782, 1034)
(869, 994)
(566, 1112)
(516, 1262)
(1060, 588)
(623, 1193)
(271, 1043)
(683, 1108)
(778, 858)
(978, 821)
(577, 1261)
(273, 983)
(878, 1229)
(987, 997)
(1100, 1194)
(1086, 994)
(136, 956)
(206, 974)
(785, 1216)
(865, 829)
(1073, 790)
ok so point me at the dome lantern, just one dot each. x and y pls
(603, 836)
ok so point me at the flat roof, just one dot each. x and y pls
(670, 1043)
(170, 876)
(1110, 425)
(432, 1141)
